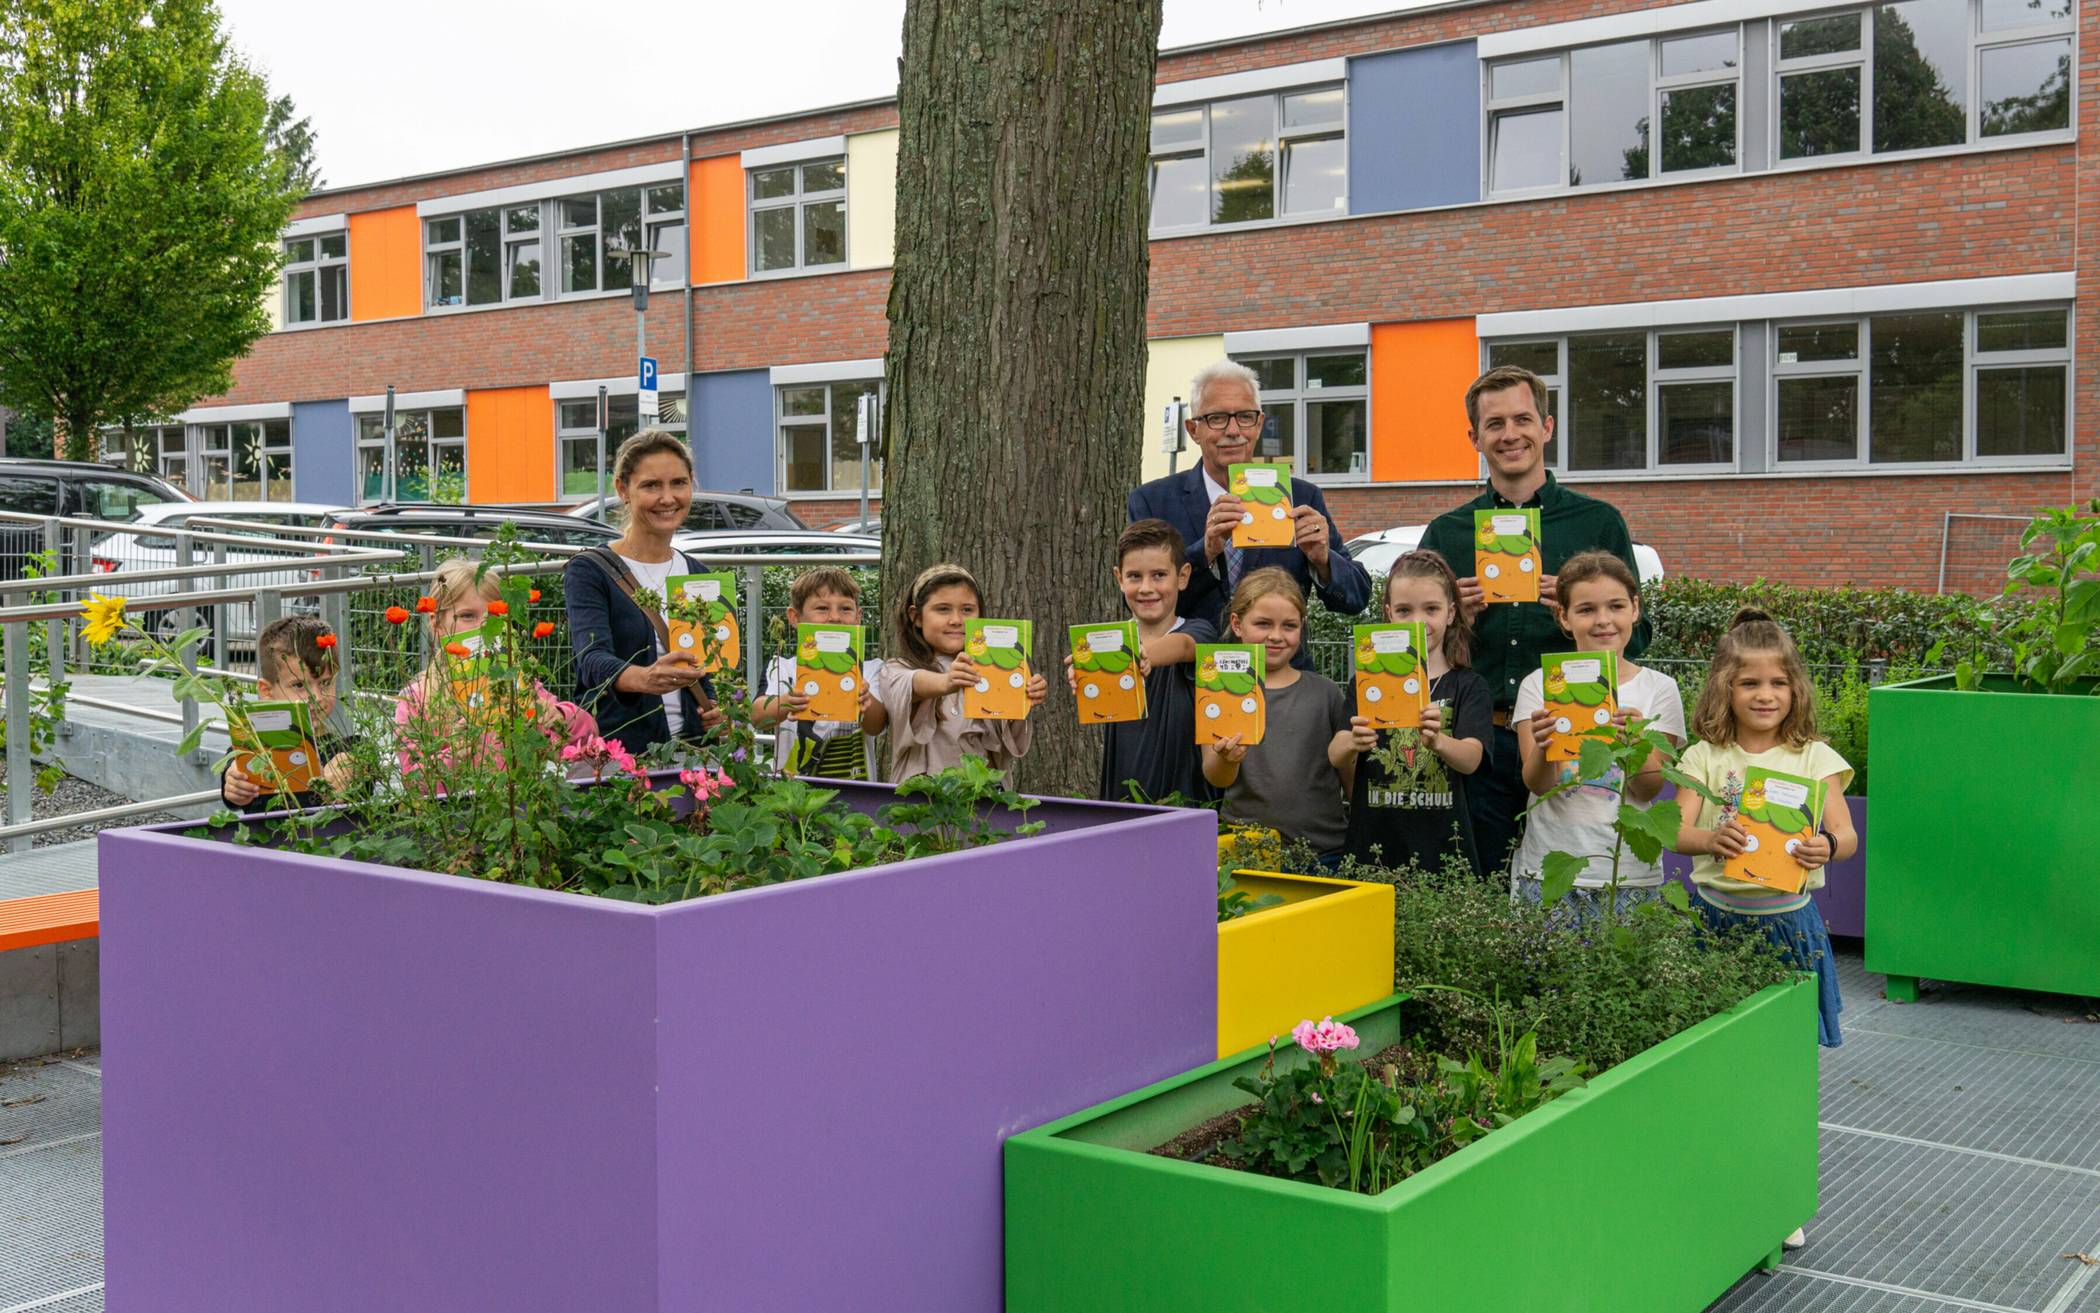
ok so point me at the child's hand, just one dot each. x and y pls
(1038, 689)
(1071, 675)
(794, 702)
(1625, 716)
(1432, 725)
(1362, 738)
(962, 675)
(710, 716)
(1144, 662)
(1472, 597)
(1812, 852)
(1541, 728)
(240, 787)
(338, 773)
(1230, 748)
(1731, 839)
(1549, 593)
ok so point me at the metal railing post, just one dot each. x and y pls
(1946, 527)
(21, 770)
(335, 610)
(754, 624)
(218, 613)
(55, 637)
(185, 555)
(429, 562)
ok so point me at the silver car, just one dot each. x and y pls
(150, 545)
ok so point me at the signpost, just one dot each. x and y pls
(645, 390)
(1170, 432)
(868, 430)
(604, 422)
(386, 471)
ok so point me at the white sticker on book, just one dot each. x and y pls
(1786, 793)
(1586, 671)
(1234, 663)
(1000, 635)
(1261, 478)
(270, 722)
(705, 590)
(1514, 526)
(834, 640)
(1389, 640)
(1105, 640)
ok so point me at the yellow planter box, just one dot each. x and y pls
(1326, 950)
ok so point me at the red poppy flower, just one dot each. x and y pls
(396, 615)
(499, 607)
(325, 641)
(426, 605)
(459, 649)
(543, 628)
(533, 596)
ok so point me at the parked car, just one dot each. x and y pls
(1376, 552)
(711, 510)
(85, 489)
(443, 520)
(872, 526)
(138, 550)
(723, 545)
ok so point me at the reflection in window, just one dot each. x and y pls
(1527, 150)
(1608, 111)
(1608, 392)
(798, 216)
(820, 449)
(1242, 160)
(2021, 412)
(1318, 404)
(1915, 389)
(2025, 88)
(1921, 60)
(1819, 418)
(1249, 159)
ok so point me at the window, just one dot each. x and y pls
(317, 279)
(467, 257)
(1250, 159)
(1924, 387)
(798, 216)
(246, 462)
(98, 499)
(169, 453)
(1898, 76)
(665, 214)
(430, 456)
(1588, 116)
(1319, 412)
(489, 257)
(1661, 401)
(576, 437)
(820, 447)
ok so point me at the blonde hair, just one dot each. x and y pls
(1269, 581)
(648, 442)
(1755, 633)
(453, 580)
(912, 646)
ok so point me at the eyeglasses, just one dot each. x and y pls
(1217, 420)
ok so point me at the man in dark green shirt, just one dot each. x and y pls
(1510, 428)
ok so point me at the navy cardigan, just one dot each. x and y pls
(609, 633)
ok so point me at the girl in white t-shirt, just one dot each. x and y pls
(1600, 603)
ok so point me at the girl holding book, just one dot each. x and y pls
(921, 688)
(1286, 782)
(1599, 602)
(1407, 801)
(1758, 709)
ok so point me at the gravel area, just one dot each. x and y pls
(76, 795)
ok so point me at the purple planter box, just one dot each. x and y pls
(1843, 898)
(334, 1086)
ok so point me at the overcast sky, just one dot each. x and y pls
(398, 87)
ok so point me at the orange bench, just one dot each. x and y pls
(50, 919)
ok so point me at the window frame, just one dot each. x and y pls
(798, 202)
(217, 442)
(564, 434)
(1336, 129)
(782, 421)
(1559, 387)
(320, 266)
(360, 444)
(1301, 393)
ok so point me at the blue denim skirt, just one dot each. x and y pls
(1802, 936)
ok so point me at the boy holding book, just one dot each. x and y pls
(839, 750)
(294, 666)
(1157, 754)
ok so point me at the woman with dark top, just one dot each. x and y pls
(641, 693)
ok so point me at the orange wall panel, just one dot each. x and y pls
(386, 264)
(510, 445)
(1419, 376)
(715, 215)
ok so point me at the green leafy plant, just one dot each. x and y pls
(2053, 643)
(1611, 754)
(47, 705)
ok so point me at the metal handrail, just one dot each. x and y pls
(63, 582)
(27, 828)
(208, 597)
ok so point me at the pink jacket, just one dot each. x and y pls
(575, 723)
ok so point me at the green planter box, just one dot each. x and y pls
(1986, 837)
(1707, 1140)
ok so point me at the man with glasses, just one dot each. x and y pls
(1225, 419)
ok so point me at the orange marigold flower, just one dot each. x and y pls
(426, 605)
(325, 641)
(459, 649)
(396, 615)
(499, 607)
(533, 596)
(543, 628)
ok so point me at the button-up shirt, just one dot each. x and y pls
(1509, 637)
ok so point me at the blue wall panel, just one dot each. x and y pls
(1414, 128)
(731, 424)
(324, 453)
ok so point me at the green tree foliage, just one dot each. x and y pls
(293, 141)
(1913, 106)
(141, 202)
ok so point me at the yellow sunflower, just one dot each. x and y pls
(104, 617)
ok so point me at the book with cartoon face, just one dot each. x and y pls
(1392, 675)
(1581, 695)
(1779, 812)
(999, 649)
(470, 665)
(1266, 490)
(1229, 696)
(828, 671)
(1506, 554)
(1105, 674)
(276, 743)
(700, 612)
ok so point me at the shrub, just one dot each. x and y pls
(1832, 626)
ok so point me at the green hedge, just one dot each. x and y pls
(1833, 626)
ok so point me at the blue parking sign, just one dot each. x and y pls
(645, 373)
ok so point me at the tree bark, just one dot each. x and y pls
(1017, 320)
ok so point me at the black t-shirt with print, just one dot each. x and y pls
(1422, 818)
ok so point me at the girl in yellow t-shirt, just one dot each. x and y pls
(1758, 709)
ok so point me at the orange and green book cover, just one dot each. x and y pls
(1229, 698)
(1778, 811)
(1105, 673)
(999, 649)
(700, 612)
(283, 732)
(1392, 676)
(470, 667)
(828, 671)
(1581, 694)
(1266, 490)
(1506, 554)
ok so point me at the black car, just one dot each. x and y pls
(710, 511)
(84, 489)
(440, 520)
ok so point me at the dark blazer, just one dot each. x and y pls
(609, 633)
(1182, 501)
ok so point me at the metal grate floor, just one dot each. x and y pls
(1961, 1162)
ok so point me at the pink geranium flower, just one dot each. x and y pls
(1330, 1036)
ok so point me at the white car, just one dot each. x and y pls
(141, 548)
(1376, 552)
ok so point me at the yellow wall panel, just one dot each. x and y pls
(871, 199)
(1169, 365)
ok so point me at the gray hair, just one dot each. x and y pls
(1221, 371)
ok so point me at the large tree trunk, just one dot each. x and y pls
(1017, 319)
